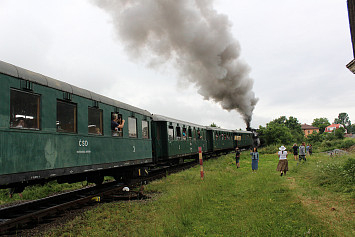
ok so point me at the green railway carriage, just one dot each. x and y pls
(52, 130)
(243, 139)
(219, 139)
(175, 138)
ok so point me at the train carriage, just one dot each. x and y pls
(219, 139)
(243, 139)
(176, 139)
(50, 129)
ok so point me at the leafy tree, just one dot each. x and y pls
(281, 130)
(281, 120)
(343, 118)
(351, 128)
(213, 125)
(276, 133)
(339, 133)
(293, 124)
(315, 137)
(321, 123)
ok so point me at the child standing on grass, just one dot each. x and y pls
(237, 156)
(282, 166)
(295, 150)
(254, 159)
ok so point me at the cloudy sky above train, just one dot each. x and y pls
(296, 51)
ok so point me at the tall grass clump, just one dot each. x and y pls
(274, 148)
(38, 191)
(338, 175)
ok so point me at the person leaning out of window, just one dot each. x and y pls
(116, 124)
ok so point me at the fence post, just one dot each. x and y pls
(201, 161)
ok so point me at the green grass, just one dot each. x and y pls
(42, 191)
(38, 191)
(228, 202)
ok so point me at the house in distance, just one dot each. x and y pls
(309, 129)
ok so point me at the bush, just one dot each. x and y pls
(349, 170)
(315, 137)
(347, 143)
(270, 149)
(330, 136)
(338, 175)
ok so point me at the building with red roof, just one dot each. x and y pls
(333, 127)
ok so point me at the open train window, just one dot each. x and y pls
(66, 117)
(132, 127)
(171, 133)
(178, 133)
(145, 129)
(117, 124)
(95, 121)
(198, 136)
(184, 133)
(189, 133)
(25, 110)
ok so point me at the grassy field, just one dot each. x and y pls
(316, 198)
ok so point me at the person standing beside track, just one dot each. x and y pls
(237, 156)
(282, 166)
(302, 154)
(254, 159)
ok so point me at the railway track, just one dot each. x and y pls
(14, 219)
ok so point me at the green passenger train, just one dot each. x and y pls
(51, 130)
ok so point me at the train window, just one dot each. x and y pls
(25, 110)
(198, 134)
(95, 121)
(117, 124)
(189, 132)
(171, 133)
(178, 133)
(145, 129)
(66, 117)
(132, 127)
(184, 133)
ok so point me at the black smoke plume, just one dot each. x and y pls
(195, 38)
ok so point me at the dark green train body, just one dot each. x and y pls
(65, 130)
(175, 138)
(52, 130)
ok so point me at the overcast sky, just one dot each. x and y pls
(297, 51)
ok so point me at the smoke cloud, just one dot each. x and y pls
(195, 38)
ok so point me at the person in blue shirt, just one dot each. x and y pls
(254, 159)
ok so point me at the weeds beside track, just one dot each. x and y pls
(228, 202)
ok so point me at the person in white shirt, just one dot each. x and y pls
(282, 166)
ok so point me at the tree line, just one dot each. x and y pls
(285, 130)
